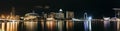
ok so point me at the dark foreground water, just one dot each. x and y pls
(59, 26)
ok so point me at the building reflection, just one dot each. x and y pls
(60, 25)
(43, 26)
(51, 25)
(11, 26)
(30, 26)
(2, 26)
(69, 25)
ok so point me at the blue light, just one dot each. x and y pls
(89, 18)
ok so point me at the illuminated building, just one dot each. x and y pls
(52, 15)
(59, 15)
(31, 16)
(117, 12)
(50, 19)
(10, 16)
(69, 14)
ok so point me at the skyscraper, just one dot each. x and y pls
(59, 15)
(13, 11)
(69, 14)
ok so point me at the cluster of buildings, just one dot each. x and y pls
(34, 16)
(10, 16)
(50, 16)
(60, 15)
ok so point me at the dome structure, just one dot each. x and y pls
(32, 14)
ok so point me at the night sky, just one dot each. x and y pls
(95, 8)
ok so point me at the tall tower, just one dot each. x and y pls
(69, 14)
(12, 11)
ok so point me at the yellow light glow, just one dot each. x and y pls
(3, 26)
(69, 24)
(50, 24)
(30, 26)
(12, 26)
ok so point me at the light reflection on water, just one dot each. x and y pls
(69, 25)
(51, 25)
(12, 26)
(54, 26)
(30, 26)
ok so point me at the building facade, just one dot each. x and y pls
(31, 16)
(59, 15)
(69, 14)
(117, 12)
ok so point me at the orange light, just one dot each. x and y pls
(50, 24)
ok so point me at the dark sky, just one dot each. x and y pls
(95, 8)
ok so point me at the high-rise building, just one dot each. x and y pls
(11, 16)
(69, 14)
(59, 15)
(117, 12)
(13, 11)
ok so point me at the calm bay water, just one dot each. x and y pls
(59, 26)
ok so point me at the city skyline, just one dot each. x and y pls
(77, 14)
(59, 15)
(96, 8)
